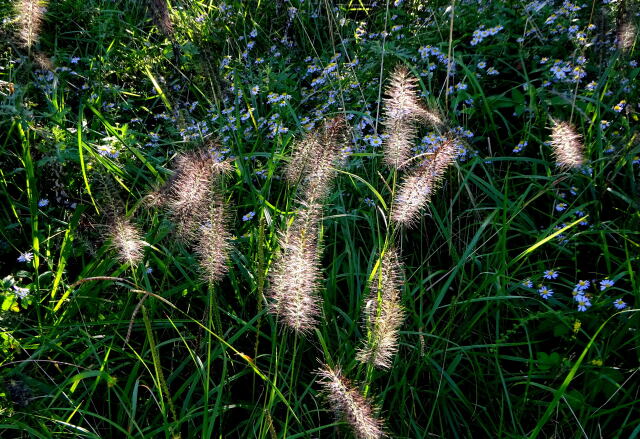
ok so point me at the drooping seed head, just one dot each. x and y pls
(383, 313)
(403, 110)
(315, 159)
(421, 182)
(189, 192)
(567, 146)
(348, 403)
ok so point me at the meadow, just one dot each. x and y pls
(317, 219)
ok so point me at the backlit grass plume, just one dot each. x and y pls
(30, 16)
(421, 182)
(626, 30)
(315, 159)
(296, 278)
(403, 110)
(213, 241)
(126, 240)
(160, 13)
(567, 145)
(383, 314)
(349, 404)
(188, 194)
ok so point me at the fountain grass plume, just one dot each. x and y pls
(161, 18)
(315, 158)
(567, 145)
(420, 183)
(126, 240)
(383, 313)
(213, 242)
(296, 278)
(403, 111)
(188, 194)
(30, 17)
(349, 404)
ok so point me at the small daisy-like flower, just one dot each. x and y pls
(561, 206)
(583, 285)
(74, 60)
(583, 304)
(520, 146)
(481, 65)
(527, 283)
(255, 90)
(606, 283)
(550, 274)
(619, 106)
(43, 203)
(25, 257)
(545, 292)
(619, 304)
(248, 216)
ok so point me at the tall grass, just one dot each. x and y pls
(319, 219)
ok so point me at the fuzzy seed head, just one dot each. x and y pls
(189, 193)
(383, 314)
(160, 13)
(626, 35)
(421, 182)
(566, 145)
(213, 242)
(296, 278)
(315, 159)
(403, 110)
(126, 240)
(30, 17)
(348, 403)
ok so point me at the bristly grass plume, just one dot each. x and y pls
(213, 242)
(30, 16)
(403, 110)
(383, 313)
(188, 194)
(567, 145)
(348, 403)
(315, 158)
(126, 240)
(295, 278)
(419, 185)
(161, 18)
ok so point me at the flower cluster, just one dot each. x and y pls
(481, 33)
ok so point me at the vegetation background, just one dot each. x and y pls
(520, 284)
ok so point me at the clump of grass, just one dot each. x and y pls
(383, 314)
(348, 403)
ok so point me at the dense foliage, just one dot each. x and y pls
(310, 219)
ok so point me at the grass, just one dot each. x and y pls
(95, 113)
